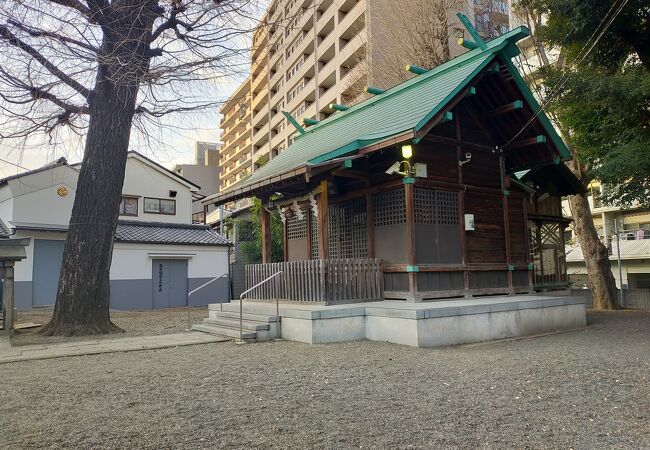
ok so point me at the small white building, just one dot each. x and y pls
(158, 255)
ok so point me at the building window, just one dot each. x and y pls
(159, 206)
(129, 206)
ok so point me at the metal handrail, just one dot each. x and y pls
(241, 307)
(189, 326)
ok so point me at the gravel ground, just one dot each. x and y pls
(585, 389)
(134, 323)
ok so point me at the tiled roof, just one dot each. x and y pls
(407, 107)
(166, 233)
(638, 249)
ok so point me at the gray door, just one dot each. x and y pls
(47, 265)
(169, 277)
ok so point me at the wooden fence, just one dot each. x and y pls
(632, 298)
(318, 280)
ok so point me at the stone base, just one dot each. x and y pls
(434, 324)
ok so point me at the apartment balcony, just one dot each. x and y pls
(307, 70)
(352, 47)
(275, 56)
(329, 96)
(261, 79)
(261, 98)
(262, 136)
(261, 117)
(325, 17)
(277, 140)
(277, 97)
(357, 10)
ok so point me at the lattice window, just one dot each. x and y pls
(296, 228)
(447, 203)
(425, 206)
(389, 208)
(347, 229)
(433, 207)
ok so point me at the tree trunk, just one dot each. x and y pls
(595, 253)
(82, 302)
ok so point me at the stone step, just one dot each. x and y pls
(248, 325)
(225, 331)
(260, 308)
(217, 314)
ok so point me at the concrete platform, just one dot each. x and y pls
(432, 324)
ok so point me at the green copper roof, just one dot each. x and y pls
(408, 106)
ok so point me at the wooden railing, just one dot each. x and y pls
(319, 280)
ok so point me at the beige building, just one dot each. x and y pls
(309, 55)
(235, 151)
(633, 226)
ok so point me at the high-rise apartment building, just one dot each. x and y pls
(310, 55)
(235, 153)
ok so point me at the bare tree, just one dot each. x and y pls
(421, 34)
(95, 68)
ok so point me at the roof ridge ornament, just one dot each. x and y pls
(294, 122)
(478, 40)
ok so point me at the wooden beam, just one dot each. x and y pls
(266, 236)
(453, 142)
(307, 121)
(510, 107)
(417, 70)
(323, 208)
(356, 174)
(337, 107)
(537, 140)
(467, 43)
(374, 90)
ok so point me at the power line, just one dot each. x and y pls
(14, 164)
(571, 75)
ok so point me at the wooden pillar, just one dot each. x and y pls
(323, 211)
(410, 232)
(308, 219)
(8, 295)
(529, 258)
(370, 224)
(266, 236)
(540, 251)
(506, 223)
(461, 203)
(285, 241)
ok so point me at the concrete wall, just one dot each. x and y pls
(36, 200)
(578, 271)
(438, 324)
(131, 283)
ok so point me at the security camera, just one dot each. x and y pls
(394, 168)
(468, 158)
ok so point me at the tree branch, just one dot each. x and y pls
(42, 33)
(8, 36)
(74, 4)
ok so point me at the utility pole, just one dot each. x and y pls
(618, 257)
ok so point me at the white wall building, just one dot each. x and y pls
(158, 255)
